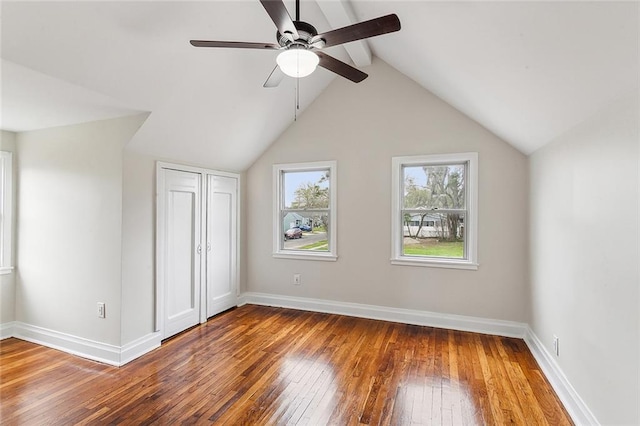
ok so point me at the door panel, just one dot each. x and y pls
(181, 242)
(221, 244)
(181, 261)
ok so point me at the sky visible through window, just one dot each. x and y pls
(419, 177)
(417, 174)
(294, 180)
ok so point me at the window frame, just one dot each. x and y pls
(278, 207)
(6, 210)
(471, 216)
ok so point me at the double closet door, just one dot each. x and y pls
(196, 247)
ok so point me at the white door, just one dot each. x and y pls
(221, 243)
(179, 193)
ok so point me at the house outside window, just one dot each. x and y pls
(305, 211)
(434, 199)
(5, 212)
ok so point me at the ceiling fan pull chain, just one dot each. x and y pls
(296, 39)
(295, 116)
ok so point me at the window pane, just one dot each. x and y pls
(306, 231)
(306, 190)
(434, 187)
(5, 208)
(434, 235)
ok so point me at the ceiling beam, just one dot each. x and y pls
(340, 14)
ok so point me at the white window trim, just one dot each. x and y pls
(471, 223)
(278, 252)
(6, 208)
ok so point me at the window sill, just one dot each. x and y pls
(6, 270)
(431, 263)
(306, 256)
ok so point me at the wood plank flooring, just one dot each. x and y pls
(258, 365)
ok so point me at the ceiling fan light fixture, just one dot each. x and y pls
(297, 62)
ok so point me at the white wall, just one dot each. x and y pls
(69, 227)
(138, 243)
(362, 126)
(8, 281)
(138, 246)
(584, 258)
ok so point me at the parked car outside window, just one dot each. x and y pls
(292, 233)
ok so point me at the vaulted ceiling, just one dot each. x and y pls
(527, 71)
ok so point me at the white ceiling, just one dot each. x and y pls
(31, 100)
(526, 71)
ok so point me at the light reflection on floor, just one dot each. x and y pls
(435, 400)
(305, 384)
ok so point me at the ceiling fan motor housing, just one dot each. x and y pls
(298, 39)
(306, 32)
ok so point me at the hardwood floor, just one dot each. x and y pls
(257, 365)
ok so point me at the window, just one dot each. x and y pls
(434, 199)
(305, 210)
(5, 212)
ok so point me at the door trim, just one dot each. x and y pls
(159, 286)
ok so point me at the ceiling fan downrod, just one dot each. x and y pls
(298, 37)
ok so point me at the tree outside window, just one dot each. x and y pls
(435, 199)
(305, 199)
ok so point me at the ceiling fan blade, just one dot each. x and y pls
(340, 68)
(236, 44)
(374, 27)
(274, 78)
(279, 15)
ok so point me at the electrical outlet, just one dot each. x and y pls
(101, 310)
(296, 279)
(556, 345)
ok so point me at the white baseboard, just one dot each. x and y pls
(406, 316)
(7, 330)
(85, 348)
(117, 356)
(97, 351)
(139, 347)
(576, 407)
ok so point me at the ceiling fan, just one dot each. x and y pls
(301, 44)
